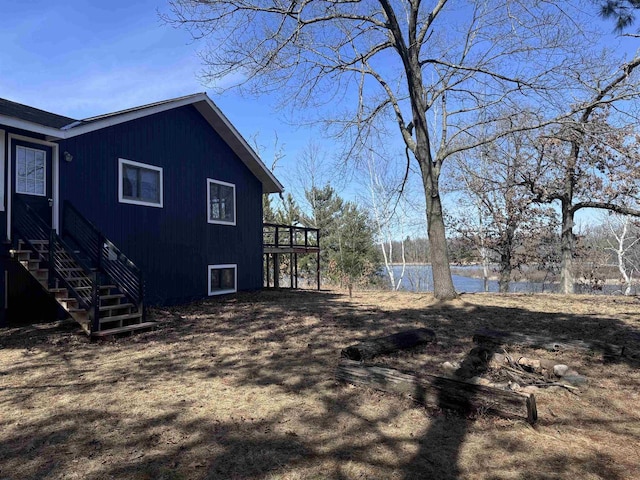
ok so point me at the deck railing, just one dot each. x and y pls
(290, 236)
(103, 254)
(30, 228)
(288, 241)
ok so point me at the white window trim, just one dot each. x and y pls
(122, 199)
(226, 184)
(2, 167)
(45, 172)
(218, 267)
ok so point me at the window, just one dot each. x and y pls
(31, 171)
(139, 183)
(221, 202)
(222, 279)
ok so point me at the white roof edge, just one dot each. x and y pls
(254, 156)
(128, 116)
(239, 145)
(31, 127)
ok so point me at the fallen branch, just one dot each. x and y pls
(389, 344)
(487, 336)
(441, 392)
(556, 384)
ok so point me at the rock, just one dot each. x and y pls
(560, 370)
(530, 389)
(547, 364)
(497, 360)
(450, 368)
(514, 387)
(530, 364)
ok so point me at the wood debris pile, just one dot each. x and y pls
(508, 371)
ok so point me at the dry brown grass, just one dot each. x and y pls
(243, 388)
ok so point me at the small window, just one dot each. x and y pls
(139, 183)
(31, 171)
(221, 202)
(222, 279)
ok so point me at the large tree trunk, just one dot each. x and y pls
(429, 166)
(443, 288)
(567, 246)
(505, 272)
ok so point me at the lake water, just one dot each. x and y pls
(417, 278)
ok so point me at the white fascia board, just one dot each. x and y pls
(127, 117)
(238, 144)
(201, 102)
(53, 133)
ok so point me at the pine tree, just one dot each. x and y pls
(348, 252)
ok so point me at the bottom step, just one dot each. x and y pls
(128, 328)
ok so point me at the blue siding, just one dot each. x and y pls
(172, 245)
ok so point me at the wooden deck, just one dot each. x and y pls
(290, 242)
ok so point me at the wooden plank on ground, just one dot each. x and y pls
(485, 335)
(389, 344)
(435, 391)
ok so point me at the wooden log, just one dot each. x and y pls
(435, 391)
(496, 337)
(391, 343)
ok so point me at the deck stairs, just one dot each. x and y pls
(102, 303)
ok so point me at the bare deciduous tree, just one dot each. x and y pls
(625, 237)
(591, 160)
(385, 202)
(427, 67)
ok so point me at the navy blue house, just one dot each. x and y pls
(155, 205)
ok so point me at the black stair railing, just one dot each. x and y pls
(30, 228)
(103, 254)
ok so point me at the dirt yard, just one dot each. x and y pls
(244, 388)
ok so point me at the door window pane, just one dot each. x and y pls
(31, 171)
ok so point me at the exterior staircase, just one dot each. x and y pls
(103, 303)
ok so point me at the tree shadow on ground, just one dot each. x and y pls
(244, 388)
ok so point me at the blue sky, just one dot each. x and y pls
(83, 58)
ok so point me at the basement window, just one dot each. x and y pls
(221, 202)
(139, 183)
(223, 279)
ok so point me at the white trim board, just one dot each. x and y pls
(3, 166)
(146, 166)
(55, 179)
(235, 210)
(220, 267)
(203, 104)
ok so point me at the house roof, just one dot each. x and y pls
(35, 115)
(57, 127)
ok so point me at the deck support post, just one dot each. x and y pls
(276, 270)
(267, 269)
(279, 240)
(291, 280)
